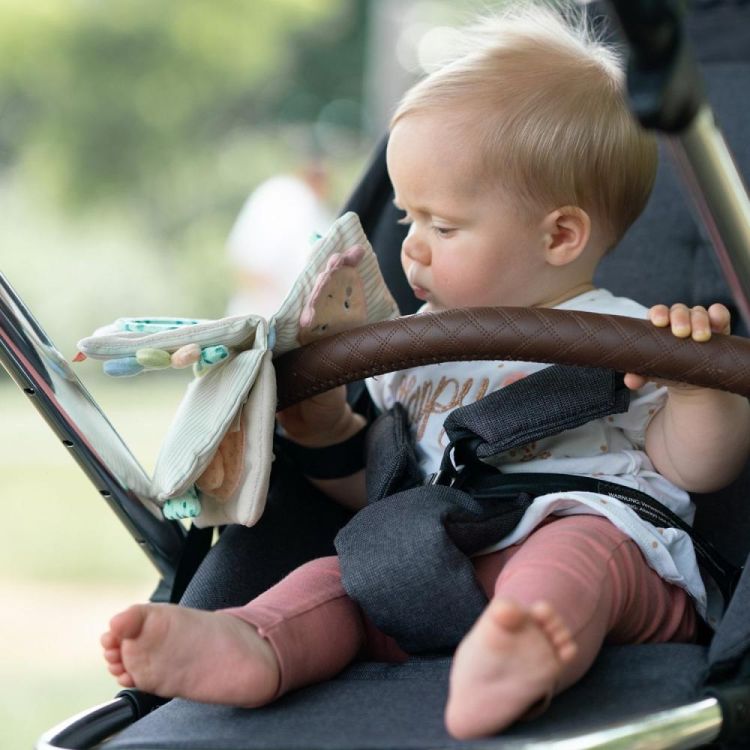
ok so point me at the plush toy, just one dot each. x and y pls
(215, 460)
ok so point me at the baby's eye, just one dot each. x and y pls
(443, 231)
(405, 219)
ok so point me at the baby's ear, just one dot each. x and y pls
(566, 233)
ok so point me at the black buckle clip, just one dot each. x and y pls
(441, 476)
(448, 473)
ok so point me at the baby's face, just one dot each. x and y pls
(467, 245)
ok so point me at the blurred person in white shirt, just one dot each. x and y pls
(270, 241)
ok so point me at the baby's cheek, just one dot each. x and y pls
(454, 289)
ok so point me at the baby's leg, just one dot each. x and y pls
(313, 627)
(557, 597)
(302, 630)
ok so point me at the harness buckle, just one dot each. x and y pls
(441, 476)
(448, 473)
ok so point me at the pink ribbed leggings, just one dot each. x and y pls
(591, 573)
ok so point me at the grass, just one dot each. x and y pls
(66, 563)
(51, 660)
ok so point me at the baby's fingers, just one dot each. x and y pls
(719, 318)
(682, 320)
(659, 316)
(695, 322)
(634, 381)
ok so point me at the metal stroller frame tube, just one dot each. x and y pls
(680, 728)
(667, 94)
(20, 336)
(720, 196)
(89, 728)
(689, 726)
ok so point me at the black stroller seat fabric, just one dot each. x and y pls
(384, 707)
(664, 258)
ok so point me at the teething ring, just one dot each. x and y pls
(512, 333)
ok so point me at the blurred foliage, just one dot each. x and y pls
(131, 132)
(145, 102)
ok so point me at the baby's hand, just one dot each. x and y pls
(325, 419)
(694, 322)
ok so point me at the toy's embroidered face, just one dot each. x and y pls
(337, 301)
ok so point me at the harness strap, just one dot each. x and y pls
(545, 403)
(486, 483)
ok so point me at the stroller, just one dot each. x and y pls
(665, 695)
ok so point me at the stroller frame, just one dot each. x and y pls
(32, 361)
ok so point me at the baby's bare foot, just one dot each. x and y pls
(178, 652)
(510, 660)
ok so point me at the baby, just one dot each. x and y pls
(517, 166)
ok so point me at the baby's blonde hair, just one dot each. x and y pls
(544, 100)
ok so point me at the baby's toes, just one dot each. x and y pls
(507, 614)
(125, 680)
(116, 668)
(555, 629)
(546, 617)
(113, 656)
(112, 653)
(128, 624)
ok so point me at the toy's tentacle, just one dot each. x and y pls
(187, 506)
(153, 359)
(123, 367)
(186, 356)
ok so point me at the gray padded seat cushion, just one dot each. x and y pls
(382, 707)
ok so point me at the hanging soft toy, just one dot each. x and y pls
(214, 462)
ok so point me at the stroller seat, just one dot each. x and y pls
(379, 706)
(382, 707)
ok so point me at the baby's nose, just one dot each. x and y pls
(416, 248)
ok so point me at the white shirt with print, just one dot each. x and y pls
(611, 449)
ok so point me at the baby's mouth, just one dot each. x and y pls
(419, 291)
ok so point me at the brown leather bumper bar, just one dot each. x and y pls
(513, 333)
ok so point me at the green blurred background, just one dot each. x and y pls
(131, 132)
